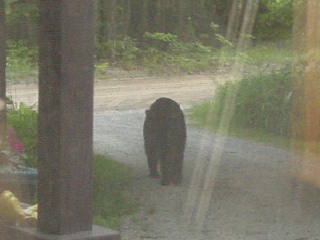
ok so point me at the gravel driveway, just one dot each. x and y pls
(253, 196)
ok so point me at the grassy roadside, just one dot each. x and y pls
(251, 134)
(262, 111)
(111, 200)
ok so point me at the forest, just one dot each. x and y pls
(183, 36)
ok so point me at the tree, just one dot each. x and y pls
(234, 20)
(105, 19)
(249, 18)
(3, 123)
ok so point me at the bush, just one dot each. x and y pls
(164, 52)
(121, 49)
(274, 20)
(22, 61)
(24, 121)
(263, 102)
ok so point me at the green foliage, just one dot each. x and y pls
(215, 29)
(111, 193)
(22, 60)
(122, 49)
(270, 53)
(161, 41)
(164, 52)
(17, 11)
(263, 102)
(179, 41)
(274, 20)
(19, 52)
(101, 68)
(24, 121)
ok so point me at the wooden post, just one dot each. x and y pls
(65, 126)
(3, 122)
(65, 115)
(66, 119)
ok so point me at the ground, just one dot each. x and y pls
(253, 194)
(135, 92)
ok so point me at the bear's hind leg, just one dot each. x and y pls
(176, 177)
(153, 160)
(165, 171)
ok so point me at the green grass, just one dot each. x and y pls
(254, 135)
(200, 119)
(111, 192)
(262, 109)
(270, 53)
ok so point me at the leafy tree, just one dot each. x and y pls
(274, 19)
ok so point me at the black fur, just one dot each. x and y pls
(164, 133)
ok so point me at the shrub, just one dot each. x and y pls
(123, 48)
(24, 121)
(263, 101)
(274, 20)
(22, 59)
(164, 52)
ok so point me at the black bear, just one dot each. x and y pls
(165, 135)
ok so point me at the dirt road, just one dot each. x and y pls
(135, 93)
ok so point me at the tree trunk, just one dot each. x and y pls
(106, 9)
(111, 23)
(126, 16)
(101, 21)
(3, 122)
(181, 18)
(234, 20)
(248, 24)
(144, 16)
(159, 16)
(135, 19)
